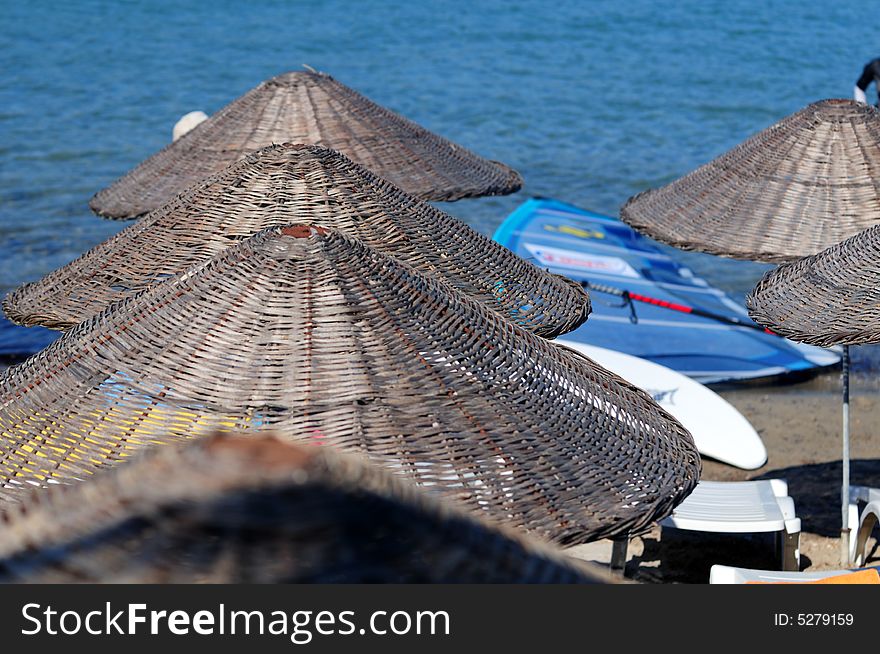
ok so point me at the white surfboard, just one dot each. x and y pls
(719, 430)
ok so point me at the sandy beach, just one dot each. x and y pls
(800, 425)
(801, 428)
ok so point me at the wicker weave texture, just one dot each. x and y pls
(256, 510)
(831, 298)
(803, 184)
(304, 330)
(295, 183)
(313, 108)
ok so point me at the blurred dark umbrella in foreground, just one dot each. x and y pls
(257, 510)
(313, 108)
(296, 183)
(302, 330)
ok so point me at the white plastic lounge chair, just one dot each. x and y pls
(864, 515)
(725, 574)
(740, 507)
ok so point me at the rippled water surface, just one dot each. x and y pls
(590, 101)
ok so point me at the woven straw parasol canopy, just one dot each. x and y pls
(308, 107)
(304, 330)
(296, 183)
(831, 298)
(799, 186)
(256, 510)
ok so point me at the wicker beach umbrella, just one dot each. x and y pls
(801, 185)
(792, 190)
(308, 107)
(304, 330)
(831, 298)
(298, 183)
(256, 510)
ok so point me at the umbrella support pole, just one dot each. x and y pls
(844, 488)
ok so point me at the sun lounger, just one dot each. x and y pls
(864, 515)
(725, 574)
(739, 507)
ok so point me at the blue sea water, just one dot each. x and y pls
(590, 101)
